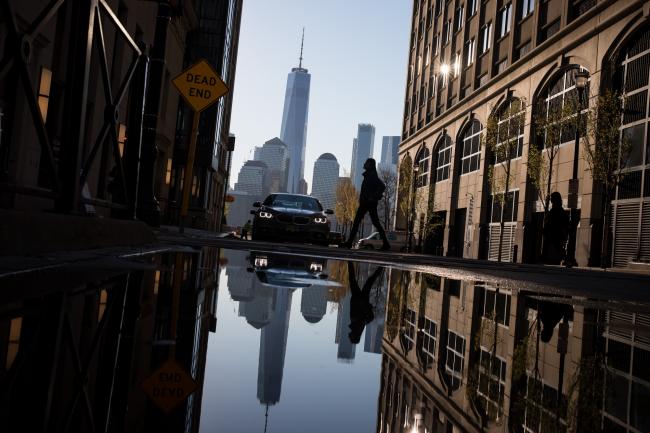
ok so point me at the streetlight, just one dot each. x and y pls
(418, 424)
(581, 79)
(416, 169)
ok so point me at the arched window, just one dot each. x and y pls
(631, 240)
(471, 142)
(510, 130)
(555, 100)
(444, 158)
(422, 162)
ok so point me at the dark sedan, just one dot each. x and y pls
(291, 217)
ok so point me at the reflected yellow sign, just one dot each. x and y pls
(169, 385)
(200, 85)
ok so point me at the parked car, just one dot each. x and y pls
(291, 217)
(397, 241)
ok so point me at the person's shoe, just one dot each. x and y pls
(385, 247)
(346, 245)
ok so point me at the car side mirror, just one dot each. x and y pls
(329, 211)
(253, 212)
(257, 204)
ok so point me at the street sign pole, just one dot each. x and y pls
(189, 170)
(200, 86)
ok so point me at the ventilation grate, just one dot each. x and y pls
(625, 232)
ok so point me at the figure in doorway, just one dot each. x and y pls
(556, 232)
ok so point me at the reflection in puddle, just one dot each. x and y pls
(468, 356)
(439, 355)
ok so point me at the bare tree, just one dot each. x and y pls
(504, 138)
(607, 152)
(347, 201)
(405, 190)
(389, 177)
(554, 124)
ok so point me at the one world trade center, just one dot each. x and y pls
(294, 125)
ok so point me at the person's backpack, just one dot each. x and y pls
(381, 187)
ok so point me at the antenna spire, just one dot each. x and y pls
(302, 43)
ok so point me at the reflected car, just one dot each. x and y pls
(278, 270)
(373, 242)
(291, 217)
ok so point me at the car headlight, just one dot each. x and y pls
(261, 262)
(320, 220)
(315, 267)
(267, 215)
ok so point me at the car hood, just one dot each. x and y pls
(292, 211)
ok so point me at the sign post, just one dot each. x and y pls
(201, 87)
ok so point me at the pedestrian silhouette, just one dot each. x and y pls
(372, 190)
(361, 310)
(550, 314)
(556, 232)
(246, 229)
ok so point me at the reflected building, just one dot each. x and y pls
(273, 346)
(477, 358)
(99, 308)
(313, 303)
(240, 285)
(346, 349)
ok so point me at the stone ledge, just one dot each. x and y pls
(34, 233)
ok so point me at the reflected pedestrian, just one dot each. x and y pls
(361, 310)
(246, 229)
(556, 232)
(372, 190)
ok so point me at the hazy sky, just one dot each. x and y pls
(356, 52)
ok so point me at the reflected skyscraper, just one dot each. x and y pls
(346, 350)
(294, 124)
(273, 346)
(240, 285)
(313, 303)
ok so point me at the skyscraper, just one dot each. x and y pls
(275, 155)
(389, 150)
(252, 178)
(326, 176)
(363, 149)
(294, 123)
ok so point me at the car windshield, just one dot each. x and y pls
(293, 202)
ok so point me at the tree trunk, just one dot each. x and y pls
(503, 206)
(604, 247)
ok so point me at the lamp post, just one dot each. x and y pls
(581, 79)
(416, 169)
(418, 424)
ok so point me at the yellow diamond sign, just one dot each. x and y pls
(200, 85)
(169, 385)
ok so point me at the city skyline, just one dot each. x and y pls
(343, 93)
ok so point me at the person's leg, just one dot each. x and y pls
(361, 212)
(374, 217)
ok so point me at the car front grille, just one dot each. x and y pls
(285, 218)
(301, 220)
